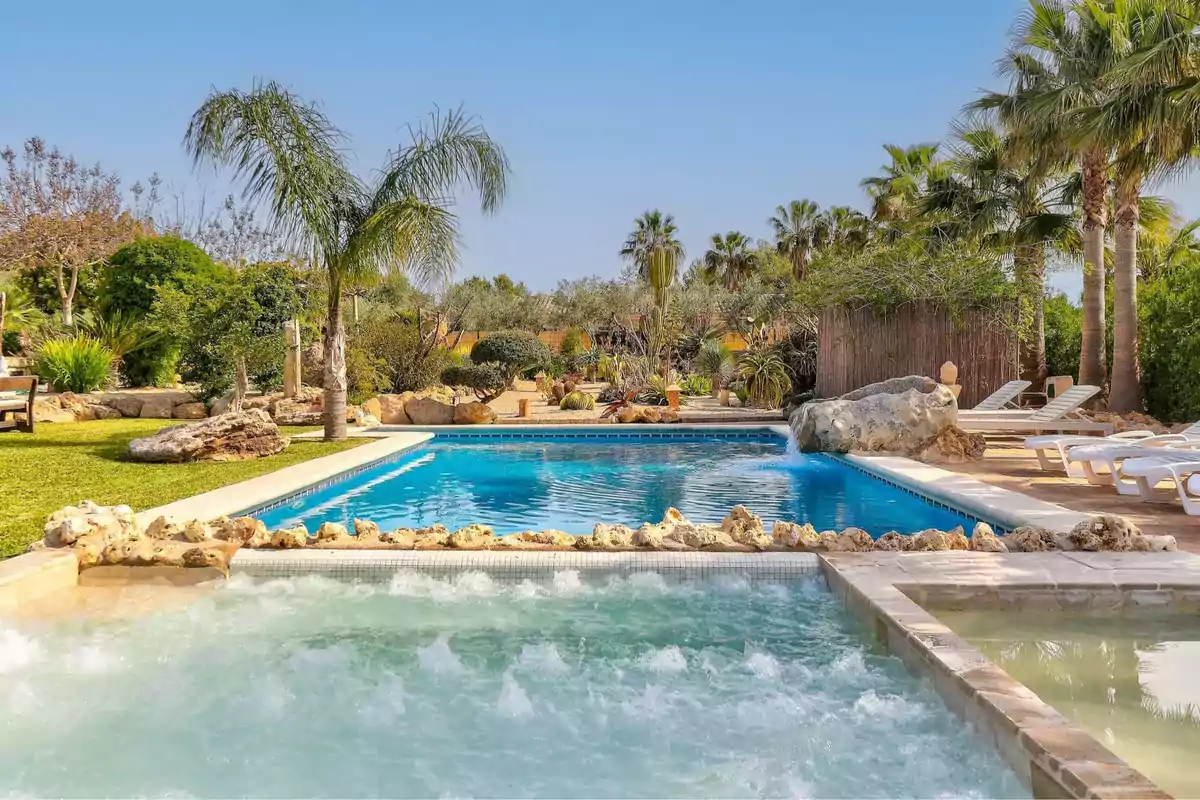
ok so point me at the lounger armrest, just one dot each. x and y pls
(1184, 443)
(1139, 436)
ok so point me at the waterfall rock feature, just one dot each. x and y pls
(902, 422)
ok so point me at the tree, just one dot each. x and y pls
(287, 152)
(798, 232)
(1147, 118)
(59, 216)
(514, 351)
(1006, 199)
(1056, 66)
(730, 259)
(652, 231)
(895, 193)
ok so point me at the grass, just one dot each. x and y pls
(61, 464)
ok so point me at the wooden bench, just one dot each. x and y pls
(10, 404)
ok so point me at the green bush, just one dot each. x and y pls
(655, 391)
(1170, 343)
(366, 375)
(572, 344)
(695, 385)
(76, 365)
(130, 285)
(578, 401)
(514, 351)
(1063, 335)
(715, 361)
(405, 356)
(766, 378)
(487, 380)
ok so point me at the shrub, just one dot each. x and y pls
(578, 401)
(407, 357)
(695, 385)
(715, 361)
(572, 344)
(366, 375)
(1063, 335)
(513, 351)
(655, 391)
(766, 378)
(1170, 343)
(130, 285)
(77, 365)
(487, 380)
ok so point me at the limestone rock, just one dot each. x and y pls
(920, 383)
(650, 415)
(163, 528)
(878, 422)
(628, 414)
(229, 437)
(826, 540)
(930, 539)
(196, 557)
(157, 406)
(707, 537)
(893, 542)
(190, 411)
(1106, 532)
(374, 407)
(853, 540)
(1155, 543)
(129, 405)
(651, 536)
(49, 408)
(952, 446)
(1031, 539)
(985, 540)
(423, 411)
(104, 523)
(97, 411)
(331, 532)
(606, 537)
(196, 532)
(548, 538)
(471, 537)
(245, 531)
(391, 408)
(669, 416)
(294, 538)
(365, 530)
(791, 534)
(745, 527)
(474, 413)
(89, 551)
(297, 412)
(957, 539)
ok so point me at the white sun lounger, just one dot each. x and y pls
(1051, 449)
(1183, 471)
(1002, 398)
(1050, 417)
(1104, 464)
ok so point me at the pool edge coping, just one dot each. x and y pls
(1050, 753)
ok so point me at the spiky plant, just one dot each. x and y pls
(578, 401)
(766, 378)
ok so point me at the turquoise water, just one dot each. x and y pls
(427, 687)
(572, 483)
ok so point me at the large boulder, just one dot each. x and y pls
(475, 413)
(902, 422)
(190, 411)
(229, 437)
(391, 408)
(157, 406)
(423, 411)
(893, 386)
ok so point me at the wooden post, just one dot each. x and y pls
(291, 361)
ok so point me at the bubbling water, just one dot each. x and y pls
(468, 685)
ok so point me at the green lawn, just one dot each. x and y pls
(62, 464)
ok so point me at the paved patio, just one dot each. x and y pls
(1009, 466)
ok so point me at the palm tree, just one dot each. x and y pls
(1056, 67)
(731, 259)
(895, 193)
(1001, 197)
(1148, 119)
(652, 231)
(289, 154)
(846, 228)
(797, 228)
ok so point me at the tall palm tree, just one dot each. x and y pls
(1005, 198)
(1148, 118)
(846, 228)
(731, 259)
(895, 193)
(289, 154)
(1056, 66)
(798, 229)
(652, 231)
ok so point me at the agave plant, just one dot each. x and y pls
(119, 332)
(715, 361)
(655, 391)
(766, 378)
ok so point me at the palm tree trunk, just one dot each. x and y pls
(1031, 283)
(1093, 361)
(335, 366)
(1126, 393)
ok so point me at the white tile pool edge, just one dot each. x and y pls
(238, 497)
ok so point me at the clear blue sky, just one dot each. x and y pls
(714, 111)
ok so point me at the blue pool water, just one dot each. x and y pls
(571, 483)
(467, 686)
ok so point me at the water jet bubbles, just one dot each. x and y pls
(17, 651)
(543, 658)
(513, 701)
(567, 582)
(668, 659)
(437, 658)
(762, 665)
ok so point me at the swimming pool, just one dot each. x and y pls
(464, 685)
(570, 483)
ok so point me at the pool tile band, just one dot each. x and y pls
(378, 566)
